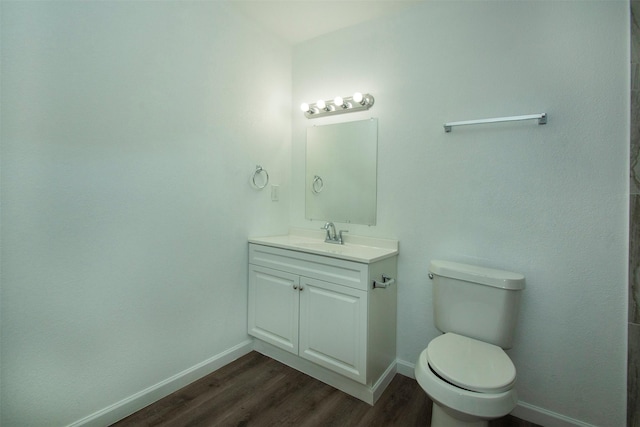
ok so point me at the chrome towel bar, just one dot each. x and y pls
(541, 117)
(386, 282)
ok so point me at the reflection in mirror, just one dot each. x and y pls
(341, 172)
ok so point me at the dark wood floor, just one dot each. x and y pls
(258, 391)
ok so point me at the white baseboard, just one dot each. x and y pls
(523, 410)
(381, 385)
(131, 404)
(544, 417)
(364, 392)
(405, 368)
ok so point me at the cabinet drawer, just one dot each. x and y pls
(347, 273)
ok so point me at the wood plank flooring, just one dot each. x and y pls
(256, 390)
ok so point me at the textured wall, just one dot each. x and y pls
(633, 396)
(548, 201)
(129, 134)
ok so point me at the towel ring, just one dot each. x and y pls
(317, 185)
(259, 170)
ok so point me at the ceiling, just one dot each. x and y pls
(295, 21)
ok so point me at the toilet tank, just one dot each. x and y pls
(476, 302)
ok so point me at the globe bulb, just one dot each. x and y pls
(321, 104)
(304, 107)
(338, 101)
(357, 97)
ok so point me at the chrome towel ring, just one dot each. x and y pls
(258, 172)
(317, 185)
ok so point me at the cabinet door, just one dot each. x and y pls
(333, 327)
(273, 307)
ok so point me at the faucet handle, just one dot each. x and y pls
(340, 235)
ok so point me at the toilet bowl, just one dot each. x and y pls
(469, 381)
(465, 371)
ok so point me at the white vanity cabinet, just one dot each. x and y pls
(317, 320)
(322, 315)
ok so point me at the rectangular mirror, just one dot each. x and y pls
(341, 172)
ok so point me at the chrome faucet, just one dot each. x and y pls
(332, 236)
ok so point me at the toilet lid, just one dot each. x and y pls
(471, 364)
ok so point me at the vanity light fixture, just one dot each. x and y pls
(324, 107)
(307, 109)
(340, 103)
(357, 102)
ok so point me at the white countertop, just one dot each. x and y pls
(355, 248)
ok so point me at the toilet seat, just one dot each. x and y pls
(480, 405)
(471, 364)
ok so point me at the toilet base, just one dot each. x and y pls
(440, 418)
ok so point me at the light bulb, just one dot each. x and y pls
(338, 101)
(357, 97)
(304, 107)
(321, 104)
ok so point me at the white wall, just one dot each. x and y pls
(129, 133)
(548, 201)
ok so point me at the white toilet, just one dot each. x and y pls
(465, 371)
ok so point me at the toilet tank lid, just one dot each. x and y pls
(472, 273)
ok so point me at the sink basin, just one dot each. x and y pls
(323, 246)
(355, 248)
(332, 248)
